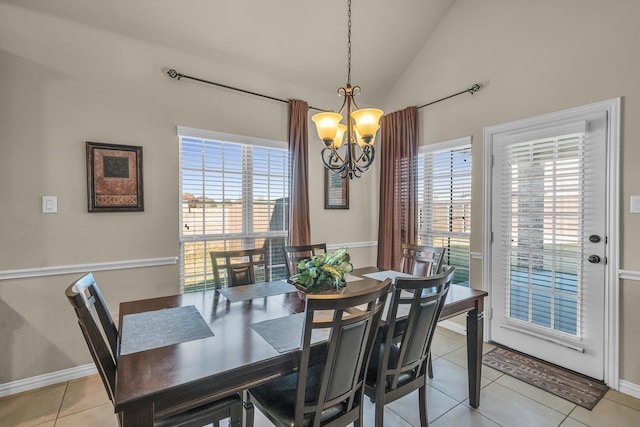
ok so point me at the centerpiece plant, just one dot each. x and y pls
(324, 271)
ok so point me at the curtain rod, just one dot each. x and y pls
(473, 89)
(176, 75)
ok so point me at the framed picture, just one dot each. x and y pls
(336, 190)
(114, 178)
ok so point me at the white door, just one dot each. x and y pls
(548, 224)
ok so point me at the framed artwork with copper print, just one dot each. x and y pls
(336, 190)
(114, 177)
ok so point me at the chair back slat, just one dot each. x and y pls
(293, 254)
(238, 267)
(421, 260)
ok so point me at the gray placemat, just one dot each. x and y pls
(285, 333)
(159, 328)
(387, 274)
(259, 290)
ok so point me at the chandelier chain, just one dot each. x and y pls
(349, 44)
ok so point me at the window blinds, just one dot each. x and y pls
(233, 196)
(542, 231)
(444, 202)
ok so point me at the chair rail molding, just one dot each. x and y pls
(334, 246)
(83, 268)
(629, 275)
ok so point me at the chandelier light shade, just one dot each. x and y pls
(348, 146)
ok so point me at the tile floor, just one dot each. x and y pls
(504, 401)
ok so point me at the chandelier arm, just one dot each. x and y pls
(331, 159)
(366, 158)
(344, 102)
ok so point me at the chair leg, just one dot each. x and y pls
(430, 367)
(379, 414)
(235, 418)
(422, 403)
(360, 420)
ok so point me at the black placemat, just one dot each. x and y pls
(160, 328)
(259, 290)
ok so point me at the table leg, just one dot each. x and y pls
(248, 408)
(475, 323)
(139, 417)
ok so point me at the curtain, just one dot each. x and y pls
(299, 225)
(399, 147)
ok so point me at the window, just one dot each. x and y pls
(444, 202)
(233, 195)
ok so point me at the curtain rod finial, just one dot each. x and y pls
(173, 74)
(476, 87)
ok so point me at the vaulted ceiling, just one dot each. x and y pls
(300, 41)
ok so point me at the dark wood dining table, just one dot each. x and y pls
(236, 356)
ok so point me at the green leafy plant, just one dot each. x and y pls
(323, 272)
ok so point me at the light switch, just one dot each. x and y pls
(49, 204)
(635, 204)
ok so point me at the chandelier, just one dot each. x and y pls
(348, 147)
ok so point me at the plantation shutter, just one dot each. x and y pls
(444, 202)
(234, 195)
(541, 222)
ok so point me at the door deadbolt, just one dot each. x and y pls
(594, 259)
(594, 238)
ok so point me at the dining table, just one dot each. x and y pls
(187, 349)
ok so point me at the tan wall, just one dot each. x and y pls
(535, 57)
(62, 84)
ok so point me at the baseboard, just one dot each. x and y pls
(33, 383)
(453, 326)
(629, 388)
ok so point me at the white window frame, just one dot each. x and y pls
(247, 234)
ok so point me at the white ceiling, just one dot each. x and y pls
(301, 41)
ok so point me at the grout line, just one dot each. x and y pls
(66, 388)
(534, 400)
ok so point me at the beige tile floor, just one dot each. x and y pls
(505, 401)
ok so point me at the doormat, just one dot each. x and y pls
(571, 386)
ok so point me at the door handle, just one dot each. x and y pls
(594, 259)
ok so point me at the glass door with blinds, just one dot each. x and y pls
(548, 242)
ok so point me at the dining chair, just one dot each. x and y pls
(293, 254)
(87, 301)
(399, 359)
(421, 260)
(238, 267)
(327, 389)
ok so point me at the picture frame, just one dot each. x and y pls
(336, 190)
(114, 177)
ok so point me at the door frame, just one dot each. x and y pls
(612, 218)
